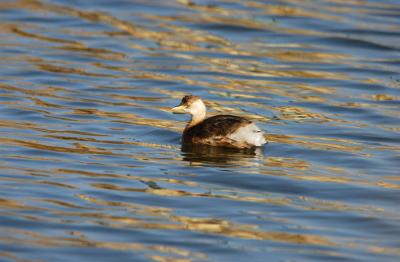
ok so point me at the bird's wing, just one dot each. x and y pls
(220, 125)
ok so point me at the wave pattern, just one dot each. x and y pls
(91, 164)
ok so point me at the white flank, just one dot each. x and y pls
(250, 134)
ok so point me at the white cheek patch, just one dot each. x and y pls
(196, 107)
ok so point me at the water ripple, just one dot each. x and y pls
(91, 164)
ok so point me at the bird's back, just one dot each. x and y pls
(215, 130)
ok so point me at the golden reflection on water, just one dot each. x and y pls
(78, 147)
(318, 143)
(240, 76)
(78, 239)
(205, 225)
(218, 65)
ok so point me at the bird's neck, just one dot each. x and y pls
(196, 118)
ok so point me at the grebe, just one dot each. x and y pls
(220, 130)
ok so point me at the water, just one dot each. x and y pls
(91, 163)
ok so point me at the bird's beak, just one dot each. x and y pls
(179, 109)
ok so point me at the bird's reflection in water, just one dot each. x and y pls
(219, 156)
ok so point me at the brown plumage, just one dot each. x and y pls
(220, 130)
(214, 130)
